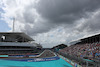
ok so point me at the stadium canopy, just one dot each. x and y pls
(14, 37)
(90, 39)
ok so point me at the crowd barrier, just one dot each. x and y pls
(37, 59)
(71, 62)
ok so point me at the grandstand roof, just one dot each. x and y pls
(18, 36)
(89, 39)
(97, 35)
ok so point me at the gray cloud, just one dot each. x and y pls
(38, 28)
(57, 12)
(56, 21)
(92, 24)
(66, 11)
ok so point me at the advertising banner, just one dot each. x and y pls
(37, 59)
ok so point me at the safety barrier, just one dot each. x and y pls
(22, 55)
(81, 61)
(71, 62)
(37, 59)
(3, 56)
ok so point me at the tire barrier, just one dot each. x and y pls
(37, 59)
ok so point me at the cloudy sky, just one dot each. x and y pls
(51, 22)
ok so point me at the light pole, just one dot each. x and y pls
(13, 24)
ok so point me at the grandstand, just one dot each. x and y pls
(87, 49)
(58, 47)
(17, 43)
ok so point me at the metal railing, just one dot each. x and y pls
(81, 61)
(15, 44)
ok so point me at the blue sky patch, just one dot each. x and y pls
(2, 11)
(4, 26)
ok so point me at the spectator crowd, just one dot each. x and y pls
(88, 50)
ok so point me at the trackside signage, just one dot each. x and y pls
(37, 59)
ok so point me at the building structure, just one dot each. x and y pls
(17, 43)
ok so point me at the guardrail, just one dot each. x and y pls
(80, 61)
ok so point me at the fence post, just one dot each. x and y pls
(86, 64)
